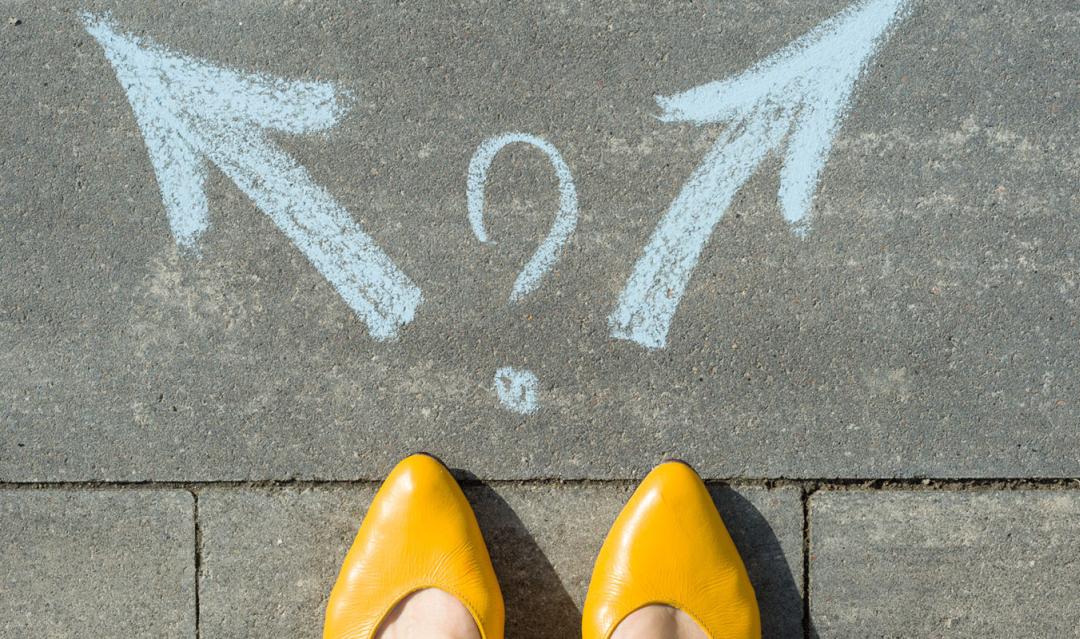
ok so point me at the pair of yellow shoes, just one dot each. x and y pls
(668, 546)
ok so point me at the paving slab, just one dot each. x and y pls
(945, 564)
(97, 563)
(270, 557)
(926, 324)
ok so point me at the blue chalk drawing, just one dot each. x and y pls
(190, 111)
(518, 390)
(793, 100)
(565, 220)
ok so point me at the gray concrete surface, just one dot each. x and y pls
(945, 564)
(271, 556)
(79, 563)
(927, 326)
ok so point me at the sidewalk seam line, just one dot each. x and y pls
(827, 484)
(198, 566)
(808, 624)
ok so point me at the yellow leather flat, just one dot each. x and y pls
(419, 532)
(669, 546)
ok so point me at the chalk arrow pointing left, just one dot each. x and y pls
(190, 111)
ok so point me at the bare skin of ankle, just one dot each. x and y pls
(429, 614)
(658, 622)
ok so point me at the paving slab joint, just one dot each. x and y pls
(811, 484)
(198, 560)
(807, 622)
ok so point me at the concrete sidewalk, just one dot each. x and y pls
(925, 326)
(258, 561)
(254, 253)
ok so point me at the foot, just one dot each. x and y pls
(429, 614)
(658, 622)
(669, 544)
(418, 532)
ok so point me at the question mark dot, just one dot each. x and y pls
(518, 390)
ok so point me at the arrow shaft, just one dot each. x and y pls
(365, 277)
(651, 296)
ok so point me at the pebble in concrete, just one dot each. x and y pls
(945, 564)
(271, 556)
(79, 563)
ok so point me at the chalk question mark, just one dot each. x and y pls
(518, 390)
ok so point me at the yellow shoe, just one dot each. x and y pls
(419, 532)
(669, 546)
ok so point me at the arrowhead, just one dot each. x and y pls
(185, 106)
(808, 84)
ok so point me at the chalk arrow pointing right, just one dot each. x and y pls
(189, 110)
(795, 99)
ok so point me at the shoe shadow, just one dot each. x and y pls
(537, 604)
(779, 594)
(539, 607)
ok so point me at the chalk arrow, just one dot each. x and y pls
(793, 100)
(190, 111)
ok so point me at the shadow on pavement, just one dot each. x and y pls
(778, 592)
(537, 604)
(539, 607)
